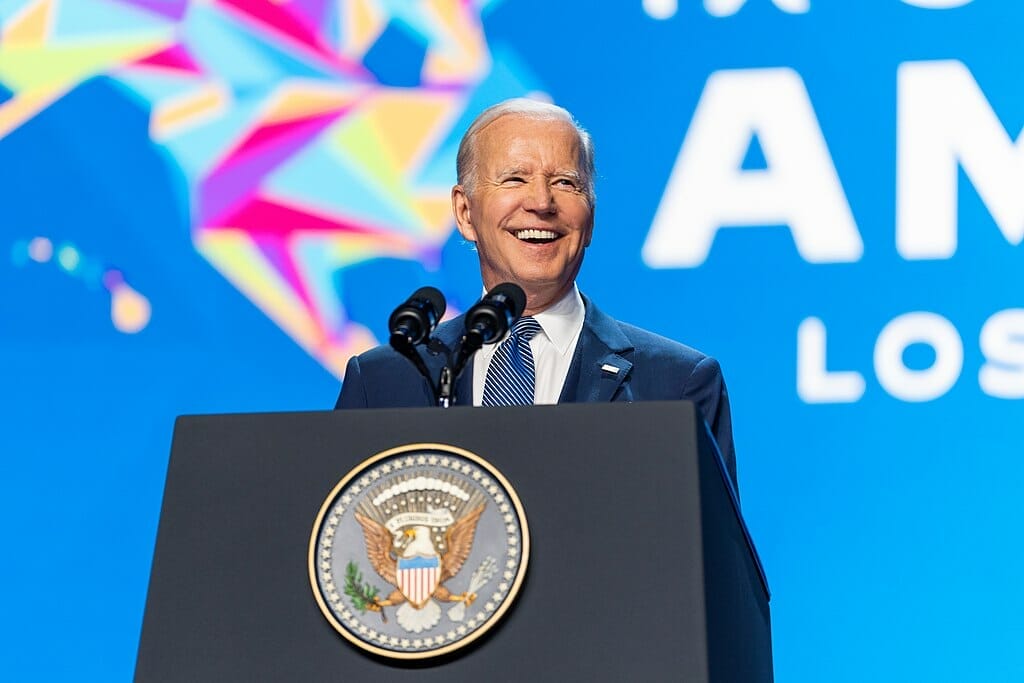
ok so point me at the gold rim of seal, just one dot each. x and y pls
(483, 628)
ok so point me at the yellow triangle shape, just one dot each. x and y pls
(347, 250)
(25, 105)
(465, 56)
(356, 138)
(48, 66)
(363, 23)
(32, 26)
(410, 125)
(174, 115)
(436, 214)
(298, 101)
(239, 260)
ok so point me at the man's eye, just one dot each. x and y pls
(514, 179)
(566, 182)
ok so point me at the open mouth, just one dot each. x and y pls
(535, 236)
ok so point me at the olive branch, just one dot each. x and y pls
(361, 594)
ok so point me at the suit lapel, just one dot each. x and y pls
(601, 362)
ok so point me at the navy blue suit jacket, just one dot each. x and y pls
(650, 368)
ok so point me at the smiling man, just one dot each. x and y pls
(525, 198)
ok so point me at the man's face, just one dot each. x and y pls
(528, 214)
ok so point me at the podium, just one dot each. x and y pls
(641, 568)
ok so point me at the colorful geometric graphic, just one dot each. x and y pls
(314, 135)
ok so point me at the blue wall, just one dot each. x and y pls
(884, 508)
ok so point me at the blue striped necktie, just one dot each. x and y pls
(511, 375)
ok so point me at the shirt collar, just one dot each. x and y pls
(562, 321)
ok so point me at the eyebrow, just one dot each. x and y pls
(519, 170)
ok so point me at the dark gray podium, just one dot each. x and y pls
(640, 568)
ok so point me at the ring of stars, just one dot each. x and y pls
(334, 557)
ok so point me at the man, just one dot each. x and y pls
(525, 198)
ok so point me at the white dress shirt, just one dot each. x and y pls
(552, 347)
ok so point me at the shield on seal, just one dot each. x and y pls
(418, 578)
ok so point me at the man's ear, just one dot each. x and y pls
(460, 209)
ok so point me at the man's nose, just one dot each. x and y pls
(539, 197)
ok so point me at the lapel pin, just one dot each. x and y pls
(610, 369)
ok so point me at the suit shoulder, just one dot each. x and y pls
(385, 358)
(379, 354)
(382, 365)
(649, 344)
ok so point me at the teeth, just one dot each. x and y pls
(534, 234)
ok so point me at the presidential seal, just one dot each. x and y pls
(418, 551)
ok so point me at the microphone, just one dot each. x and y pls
(413, 321)
(486, 322)
(489, 319)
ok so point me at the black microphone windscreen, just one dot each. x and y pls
(514, 295)
(434, 296)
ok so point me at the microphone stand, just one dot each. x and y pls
(451, 372)
(444, 389)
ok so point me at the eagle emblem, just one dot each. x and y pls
(443, 531)
(417, 562)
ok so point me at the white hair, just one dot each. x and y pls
(466, 161)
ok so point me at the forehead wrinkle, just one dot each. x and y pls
(522, 170)
(507, 170)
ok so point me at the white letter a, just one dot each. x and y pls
(709, 189)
